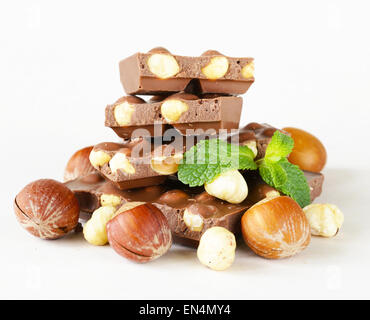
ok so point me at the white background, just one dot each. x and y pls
(58, 70)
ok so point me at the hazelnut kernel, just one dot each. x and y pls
(99, 158)
(229, 186)
(173, 109)
(193, 221)
(166, 165)
(110, 200)
(325, 219)
(248, 70)
(163, 65)
(216, 248)
(251, 144)
(123, 113)
(120, 162)
(94, 230)
(216, 68)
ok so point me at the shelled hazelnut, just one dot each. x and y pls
(216, 248)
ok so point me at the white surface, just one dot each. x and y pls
(58, 63)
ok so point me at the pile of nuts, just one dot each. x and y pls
(276, 227)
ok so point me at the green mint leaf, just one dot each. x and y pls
(272, 173)
(296, 185)
(279, 147)
(209, 158)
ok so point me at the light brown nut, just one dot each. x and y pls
(216, 68)
(99, 158)
(248, 70)
(172, 109)
(163, 65)
(120, 162)
(325, 219)
(110, 200)
(193, 221)
(166, 165)
(217, 248)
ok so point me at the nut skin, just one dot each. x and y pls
(248, 70)
(325, 219)
(308, 152)
(47, 209)
(79, 165)
(120, 162)
(174, 197)
(162, 64)
(276, 228)
(216, 248)
(140, 234)
(99, 158)
(229, 186)
(216, 68)
(94, 230)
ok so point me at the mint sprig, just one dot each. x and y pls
(278, 172)
(209, 158)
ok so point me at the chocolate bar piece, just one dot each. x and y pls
(140, 162)
(187, 113)
(158, 72)
(174, 198)
(136, 163)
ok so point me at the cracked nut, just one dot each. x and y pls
(94, 230)
(173, 109)
(120, 162)
(229, 186)
(276, 228)
(47, 209)
(216, 248)
(79, 165)
(163, 64)
(99, 158)
(308, 151)
(216, 68)
(248, 70)
(110, 200)
(166, 165)
(140, 233)
(325, 219)
(192, 220)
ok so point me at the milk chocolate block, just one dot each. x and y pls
(143, 162)
(180, 203)
(185, 112)
(135, 163)
(158, 72)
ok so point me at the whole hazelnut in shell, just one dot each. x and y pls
(276, 227)
(308, 152)
(79, 165)
(140, 233)
(47, 209)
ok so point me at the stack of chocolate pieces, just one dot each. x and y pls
(192, 98)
